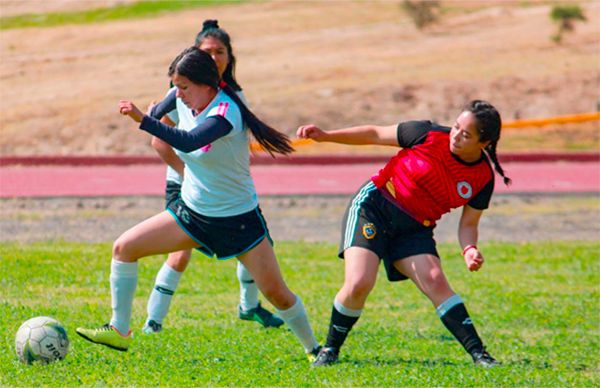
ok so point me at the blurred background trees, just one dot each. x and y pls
(565, 16)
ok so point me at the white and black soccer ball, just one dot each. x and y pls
(41, 339)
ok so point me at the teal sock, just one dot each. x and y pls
(342, 321)
(455, 317)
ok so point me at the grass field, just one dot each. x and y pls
(535, 305)
(134, 10)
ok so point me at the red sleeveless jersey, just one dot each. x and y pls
(427, 181)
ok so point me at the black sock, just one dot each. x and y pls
(339, 327)
(458, 322)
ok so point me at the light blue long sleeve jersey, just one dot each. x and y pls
(172, 175)
(217, 180)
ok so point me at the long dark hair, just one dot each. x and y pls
(210, 28)
(199, 67)
(489, 125)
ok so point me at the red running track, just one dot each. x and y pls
(110, 180)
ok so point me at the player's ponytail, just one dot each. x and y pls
(489, 125)
(269, 138)
(199, 67)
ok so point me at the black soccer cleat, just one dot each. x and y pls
(483, 358)
(326, 356)
(312, 355)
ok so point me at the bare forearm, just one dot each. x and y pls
(364, 134)
(167, 154)
(468, 235)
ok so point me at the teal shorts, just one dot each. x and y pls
(223, 237)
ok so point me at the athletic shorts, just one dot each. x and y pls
(375, 223)
(172, 192)
(223, 237)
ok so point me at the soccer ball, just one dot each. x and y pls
(41, 339)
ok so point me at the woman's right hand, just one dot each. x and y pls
(310, 131)
(128, 108)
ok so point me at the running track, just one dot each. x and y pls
(318, 176)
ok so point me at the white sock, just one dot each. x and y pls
(297, 320)
(165, 285)
(248, 288)
(123, 280)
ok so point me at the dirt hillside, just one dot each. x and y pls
(332, 63)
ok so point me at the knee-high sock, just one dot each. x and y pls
(165, 285)
(296, 319)
(342, 320)
(248, 289)
(123, 280)
(455, 317)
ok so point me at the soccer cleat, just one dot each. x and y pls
(260, 315)
(484, 359)
(326, 356)
(106, 335)
(152, 327)
(312, 355)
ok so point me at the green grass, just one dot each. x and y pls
(135, 10)
(535, 305)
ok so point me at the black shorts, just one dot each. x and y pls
(375, 223)
(225, 237)
(172, 192)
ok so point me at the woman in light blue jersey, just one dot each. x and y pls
(217, 43)
(218, 211)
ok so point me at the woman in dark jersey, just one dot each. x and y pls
(392, 217)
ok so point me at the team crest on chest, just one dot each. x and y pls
(369, 231)
(464, 189)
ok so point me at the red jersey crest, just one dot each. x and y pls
(427, 180)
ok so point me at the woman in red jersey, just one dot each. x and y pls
(392, 217)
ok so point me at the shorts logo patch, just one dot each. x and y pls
(183, 214)
(464, 189)
(369, 231)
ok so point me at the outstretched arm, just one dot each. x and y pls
(468, 234)
(361, 135)
(213, 128)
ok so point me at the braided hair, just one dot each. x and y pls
(489, 125)
(210, 28)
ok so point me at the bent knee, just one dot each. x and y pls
(359, 288)
(121, 249)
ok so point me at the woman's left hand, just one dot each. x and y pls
(128, 108)
(473, 259)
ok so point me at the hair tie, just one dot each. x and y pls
(222, 84)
